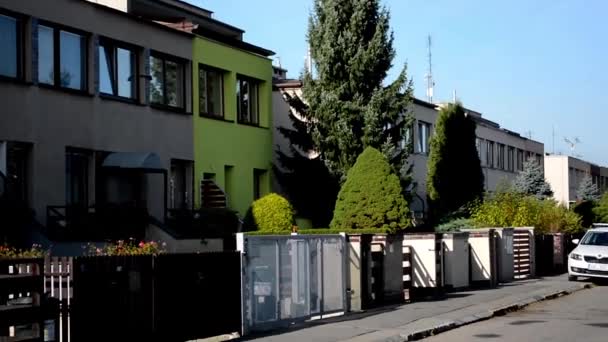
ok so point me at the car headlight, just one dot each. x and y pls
(575, 256)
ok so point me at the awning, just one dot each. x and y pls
(149, 162)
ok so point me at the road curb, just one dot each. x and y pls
(482, 316)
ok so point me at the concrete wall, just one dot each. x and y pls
(504, 253)
(456, 259)
(482, 261)
(154, 233)
(355, 265)
(52, 119)
(424, 259)
(556, 174)
(222, 145)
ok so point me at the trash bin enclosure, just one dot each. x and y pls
(456, 260)
(291, 278)
(504, 254)
(482, 257)
(426, 259)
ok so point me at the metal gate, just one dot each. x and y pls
(522, 255)
(291, 278)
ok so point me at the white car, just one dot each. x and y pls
(590, 257)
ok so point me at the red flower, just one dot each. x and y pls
(141, 244)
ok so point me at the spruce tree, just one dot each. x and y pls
(349, 107)
(587, 191)
(454, 176)
(305, 179)
(531, 181)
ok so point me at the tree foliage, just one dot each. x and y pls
(601, 209)
(349, 108)
(512, 209)
(531, 181)
(303, 176)
(454, 176)
(587, 190)
(371, 196)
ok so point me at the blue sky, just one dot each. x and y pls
(529, 65)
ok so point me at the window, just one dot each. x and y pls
(490, 153)
(167, 83)
(520, 160)
(247, 100)
(511, 159)
(424, 132)
(9, 47)
(77, 177)
(539, 159)
(211, 91)
(408, 137)
(478, 143)
(61, 58)
(117, 70)
(501, 157)
(258, 183)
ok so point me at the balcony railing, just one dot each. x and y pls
(96, 223)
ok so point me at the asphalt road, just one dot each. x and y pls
(582, 316)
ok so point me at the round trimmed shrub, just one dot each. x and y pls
(371, 197)
(271, 213)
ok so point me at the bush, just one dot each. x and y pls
(455, 225)
(601, 210)
(371, 196)
(271, 214)
(584, 209)
(510, 209)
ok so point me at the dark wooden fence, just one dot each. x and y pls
(172, 297)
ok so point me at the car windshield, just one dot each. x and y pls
(595, 239)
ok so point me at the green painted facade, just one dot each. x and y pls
(225, 150)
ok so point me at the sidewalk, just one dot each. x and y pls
(421, 319)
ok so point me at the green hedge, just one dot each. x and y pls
(326, 231)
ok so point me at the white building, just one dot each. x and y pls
(565, 173)
(502, 152)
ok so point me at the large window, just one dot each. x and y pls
(17, 173)
(501, 157)
(9, 47)
(511, 159)
(520, 160)
(247, 92)
(490, 153)
(180, 184)
(61, 58)
(211, 91)
(117, 70)
(424, 134)
(478, 143)
(167, 83)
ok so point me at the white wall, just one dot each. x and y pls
(556, 174)
(121, 5)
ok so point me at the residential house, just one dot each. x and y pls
(96, 122)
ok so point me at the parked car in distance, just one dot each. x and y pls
(590, 257)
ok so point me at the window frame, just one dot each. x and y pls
(168, 58)
(69, 190)
(250, 80)
(57, 29)
(500, 152)
(490, 153)
(135, 86)
(222, 115)
(20, 45)
(427, 127)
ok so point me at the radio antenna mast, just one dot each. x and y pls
(430, 83)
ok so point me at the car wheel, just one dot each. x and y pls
(572, 278)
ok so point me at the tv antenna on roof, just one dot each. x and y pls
(430, 83)
(572, 143)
